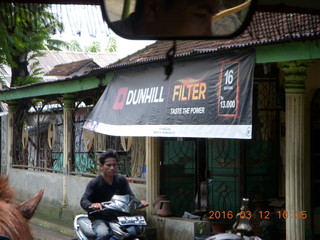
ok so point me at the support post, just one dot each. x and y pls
(295, 75)
(67, 142)
(153, 171)
(9, 140)
(12, 107)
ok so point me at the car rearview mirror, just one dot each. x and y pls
(178, 19)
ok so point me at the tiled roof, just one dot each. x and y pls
(67, 69)
(53, 58)
(265, 28)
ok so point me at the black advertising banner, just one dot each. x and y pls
(207, 97)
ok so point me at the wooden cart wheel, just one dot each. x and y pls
(25, 135)
(126, 143)
(51, 134)
(88, 137)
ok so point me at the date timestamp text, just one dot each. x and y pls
(214, 215)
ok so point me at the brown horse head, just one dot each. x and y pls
(14, 219)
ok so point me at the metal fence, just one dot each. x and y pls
(38, 128)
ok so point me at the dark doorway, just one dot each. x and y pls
(315, 162)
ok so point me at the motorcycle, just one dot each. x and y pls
(122, 224)
(232, 236)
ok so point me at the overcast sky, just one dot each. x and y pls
(84, 23)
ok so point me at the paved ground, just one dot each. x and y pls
(48, 231)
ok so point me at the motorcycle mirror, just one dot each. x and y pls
(178, 19)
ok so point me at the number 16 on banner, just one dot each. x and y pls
(228, 91)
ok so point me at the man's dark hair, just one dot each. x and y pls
(108, 153)
(139, 8)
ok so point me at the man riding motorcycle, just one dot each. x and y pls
(101, 189)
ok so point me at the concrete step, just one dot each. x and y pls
(44, 230)
(69, 233)
(151, 233)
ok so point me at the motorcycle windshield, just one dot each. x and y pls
(123, 203)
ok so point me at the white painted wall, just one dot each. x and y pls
(173, 228)
(29, 182)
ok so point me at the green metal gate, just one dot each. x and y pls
(178, 174)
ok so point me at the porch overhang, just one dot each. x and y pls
(279, 52)
(71, 85)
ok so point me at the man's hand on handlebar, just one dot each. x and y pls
(96, 206)
(144, 203)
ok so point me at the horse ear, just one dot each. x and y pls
(28, 207)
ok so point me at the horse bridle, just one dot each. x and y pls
(4, 237)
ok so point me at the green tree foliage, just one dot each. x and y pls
(24, 30)
(74, 46)
(56, 45)
(94, 47)
(111, 45)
